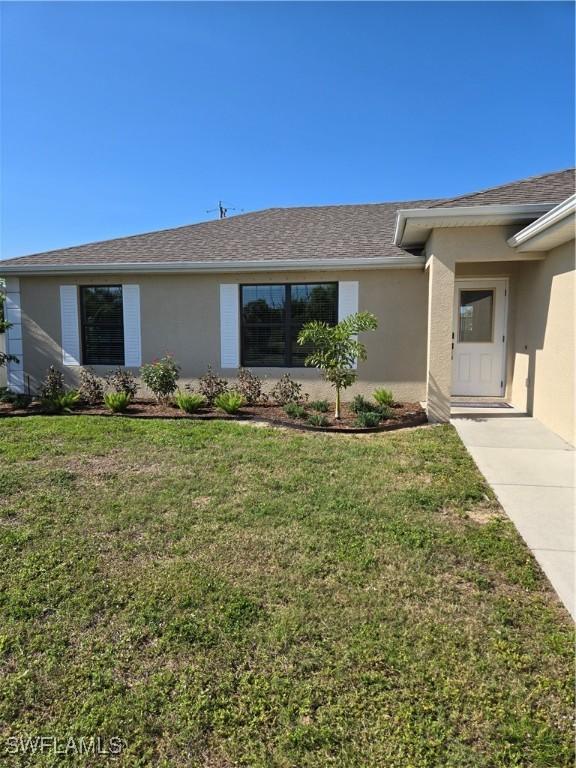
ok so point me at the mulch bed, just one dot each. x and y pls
(403, 415)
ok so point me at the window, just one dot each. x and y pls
(476, 309)
(102, 325)
(272, 316)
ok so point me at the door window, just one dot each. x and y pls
(476, 316)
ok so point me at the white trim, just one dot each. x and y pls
(13, 336)
(347, 298)
(131, 322)
(282, 265)
(566, 208)
(347, 301)
(505, 283)
(70, 339)
(229, 325)
(428, 218)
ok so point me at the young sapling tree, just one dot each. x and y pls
(335, 349)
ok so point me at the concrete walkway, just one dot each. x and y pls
(532, 472)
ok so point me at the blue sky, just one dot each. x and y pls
(127, 117)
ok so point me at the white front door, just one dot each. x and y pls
(479, 337)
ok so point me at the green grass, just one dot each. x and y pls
(223, 595)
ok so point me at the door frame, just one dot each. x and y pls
(484, 281)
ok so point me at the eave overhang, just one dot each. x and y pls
(414, 225)
(554, 228)
(385, 262)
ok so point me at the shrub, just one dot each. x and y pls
(385, 411)
(20, 400)
(189, 403)
(295, 410)
(17, 399)
(52, 386)
(322, 406)
(212, 386)
(361, 405)
(118, 402)
(368, 419)
(250, 386)
(60, 402)
(161, 377)
(286, 390)
(230, 402)
(383, 396)
(122, 380)
(317, 420)
(91, 389)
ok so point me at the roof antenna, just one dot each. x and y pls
(222, 211)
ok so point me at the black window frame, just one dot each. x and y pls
(287, 324)
(83, 325)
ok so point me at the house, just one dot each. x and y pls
(474, 297)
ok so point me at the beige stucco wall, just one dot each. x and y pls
(544, 380)
(439, 340)
(180, 314)
(473, 244)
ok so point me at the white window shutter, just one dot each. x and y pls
(347, 301)
(347, 298)
(132, 331)
(70, 329)
(13, 338)
(229, 325)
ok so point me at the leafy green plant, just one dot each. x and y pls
(368, 419)
(295, 410)
(212, 386)
(317, 420)
(161, 377)
(61, 402)
(286, 390)
(122, 380)
(322, 406)
(189, 403)
(17, 399)
(385, 411)
(250, 387)
(91, 387)
(21, 400)
(383, 396)
(117, 402)
(52, 385)
(360, 404)
(336, 349)
(230, 402)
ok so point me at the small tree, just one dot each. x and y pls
(336, 348)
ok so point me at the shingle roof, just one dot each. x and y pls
(546, 188)
(326, 232)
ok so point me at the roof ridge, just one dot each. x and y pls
(502, 186)
(353, 205)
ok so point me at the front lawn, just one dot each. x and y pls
(220, 594)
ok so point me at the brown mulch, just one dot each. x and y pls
(403, 415)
